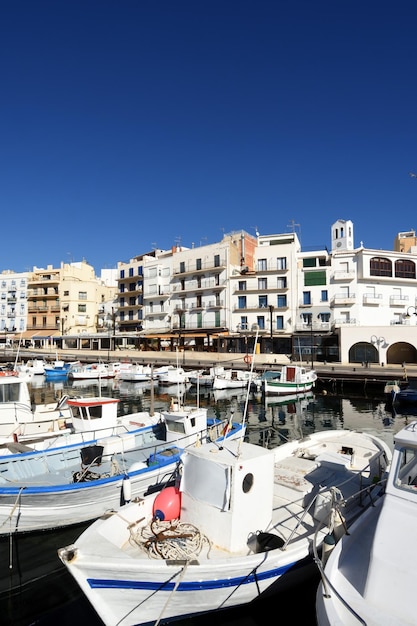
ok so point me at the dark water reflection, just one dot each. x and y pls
(36, 589)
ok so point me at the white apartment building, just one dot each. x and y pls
(13, 302)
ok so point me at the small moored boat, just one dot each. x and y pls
(238, 524)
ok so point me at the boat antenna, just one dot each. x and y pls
(245, 411)
(152, 406)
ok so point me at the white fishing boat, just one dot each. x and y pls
(234, 379)
(291, 379)
(369, 576)
(239, 524)
(173, 375)
(32, 366)
(69, 483)
(136, 373)
(91, 371)
(21, 419)
(205, 378)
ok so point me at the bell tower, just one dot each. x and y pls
(342, 235)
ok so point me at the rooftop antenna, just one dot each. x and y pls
(178, 241)
(256, 231)
(203, 239)
(292, 225)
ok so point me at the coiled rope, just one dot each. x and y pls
(171, 540)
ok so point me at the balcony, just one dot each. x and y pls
(343, 299)
(344, 322)
(195, 287)
(372, 298)
(317, 327)
(343, 275)
(190, 267)
(398, 300)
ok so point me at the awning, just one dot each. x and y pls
(31, 334)
(159, 336)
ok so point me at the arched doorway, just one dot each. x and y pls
(401, 352)
(363, 352)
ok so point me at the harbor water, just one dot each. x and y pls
(35, 588)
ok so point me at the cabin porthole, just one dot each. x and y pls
(247, 483)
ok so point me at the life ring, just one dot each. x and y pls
(248, 359)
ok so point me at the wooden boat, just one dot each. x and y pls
(76, 482)
(368, 576)
(290, 379)
(238, 526)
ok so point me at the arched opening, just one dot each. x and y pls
(363, 352)
(401, 352)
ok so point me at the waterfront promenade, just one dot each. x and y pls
(340, 373)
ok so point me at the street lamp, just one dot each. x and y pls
(271, 310)
(408, 314)
(379, 342)
(312, 341)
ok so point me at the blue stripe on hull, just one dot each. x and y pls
(197, 585)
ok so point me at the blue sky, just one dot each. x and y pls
(128, 125)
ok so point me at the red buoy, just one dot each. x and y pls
(167, 504)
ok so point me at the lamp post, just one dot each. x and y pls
(271, 310)
(408, 314)
(379, 342)
(312, 341)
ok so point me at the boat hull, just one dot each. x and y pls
(177, 591)
(284, 389)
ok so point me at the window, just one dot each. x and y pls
(217, 260)
(131, 271)
(324, 317)
(282, 263)
(261, 322)
(243, 322)
(324, 296)
(405, 269)
(306, 297)
(280, 322)
(262, 284)
(307, 318)
(122, 273)
(82, 295)
(262, 302)
(315, 278)
(82, 308)
(312, 262)
(241, 302)
(281, 301)
(380, 266)
(198, 264)
(282, 282)
(242, 285)
(182, 267)
(262, 265)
